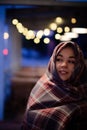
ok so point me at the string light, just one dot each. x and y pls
(36, 40)
(57, 36)
(59, 20)
(67, 29)
(59, 30)
(46, 40)
(73, 20)
(54, 26)
(14, 21)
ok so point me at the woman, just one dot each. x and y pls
(60, 93)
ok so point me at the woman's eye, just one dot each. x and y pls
(59, 59)
(71, 61)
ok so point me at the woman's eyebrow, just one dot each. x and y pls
(69, 56)
(72, 57)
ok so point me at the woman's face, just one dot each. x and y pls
(65, 63)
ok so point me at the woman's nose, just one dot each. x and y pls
(64, 63)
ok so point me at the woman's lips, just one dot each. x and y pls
(63, 72)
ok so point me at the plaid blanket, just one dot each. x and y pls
(47, 111)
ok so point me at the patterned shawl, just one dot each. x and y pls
(52, 102)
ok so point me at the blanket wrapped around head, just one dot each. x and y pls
(52, 102)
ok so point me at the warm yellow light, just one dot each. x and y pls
(59, 30)
(57, 36)
(14, 21)
(67, 29)
(59, 20)
(25, 31)
(39, 34)
(53, 26)
(21, 29)
(27, 37)
(46, 32)
(19, 25)
(36, 40)
(46, 40)
(30, 34)
(73, 20)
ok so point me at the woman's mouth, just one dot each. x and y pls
(63, 72)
